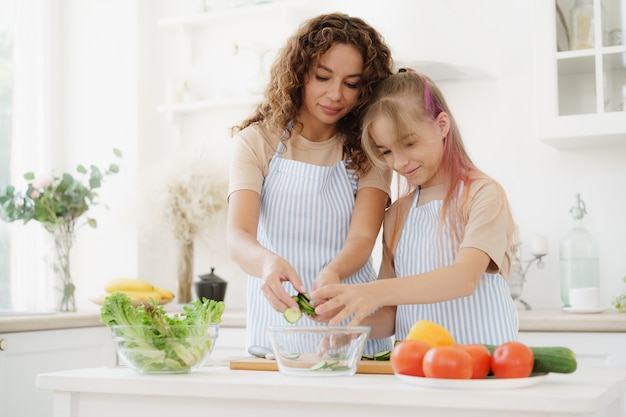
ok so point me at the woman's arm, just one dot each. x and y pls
(252, 257)
(367, 217)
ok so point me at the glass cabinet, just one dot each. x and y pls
(580, 72)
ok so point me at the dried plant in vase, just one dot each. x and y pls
(195, 197)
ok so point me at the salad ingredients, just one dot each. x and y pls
(449, 362)
(556, 359)
(407, 356)
(430, 332)
(512, 360)
(481, 360)
(304, 302)
(155, 341)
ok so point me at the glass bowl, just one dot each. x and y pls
(165, 349)
(318, 351)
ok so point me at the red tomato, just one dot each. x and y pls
(512, 360)
(481, 360)
(406, 357)
(449, 362)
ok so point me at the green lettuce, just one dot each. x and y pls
(155, 341)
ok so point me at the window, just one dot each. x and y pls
(25, 125)
(6, 98)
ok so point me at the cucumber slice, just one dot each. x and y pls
(304, 301)
(292, 356)
(319, 366)
(291, 315)
(383, 355)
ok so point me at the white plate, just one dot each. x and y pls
(583, 310)
(489, 383)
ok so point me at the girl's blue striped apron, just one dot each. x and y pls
(305, 215)
(487, 316)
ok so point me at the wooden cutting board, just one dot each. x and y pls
(260, 364)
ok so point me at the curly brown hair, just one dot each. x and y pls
(283, 94)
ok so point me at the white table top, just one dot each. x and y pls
(585, 391)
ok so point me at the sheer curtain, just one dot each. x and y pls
(32, 145)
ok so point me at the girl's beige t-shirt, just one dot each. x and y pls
(487, 228)
(254, 147)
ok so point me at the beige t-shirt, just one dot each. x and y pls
(486, 228)
(254, 147)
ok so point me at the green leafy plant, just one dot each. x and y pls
(57, 202)
(619, 302)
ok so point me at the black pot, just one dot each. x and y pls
(211, 287)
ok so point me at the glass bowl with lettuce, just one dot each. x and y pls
(151, 341)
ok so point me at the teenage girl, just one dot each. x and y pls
(447, 242)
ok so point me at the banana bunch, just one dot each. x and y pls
(139, 290)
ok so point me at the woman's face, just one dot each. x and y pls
(332, 87)
(418, 155)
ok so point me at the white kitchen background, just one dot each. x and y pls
(120, 63)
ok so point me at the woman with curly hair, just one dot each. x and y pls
(305, 204)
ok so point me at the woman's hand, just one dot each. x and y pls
(338, 302)
(277, 271)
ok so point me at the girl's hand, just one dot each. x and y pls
(326, 277)
(340, 301)
(274, 274)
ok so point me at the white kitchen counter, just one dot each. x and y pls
(217, 390)
(543, 320)
(90, 317)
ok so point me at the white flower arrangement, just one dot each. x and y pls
(193, 201)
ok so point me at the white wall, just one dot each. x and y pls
(99, 99)
(118, 63)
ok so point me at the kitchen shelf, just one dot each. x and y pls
(207, 18)
(203, 105)
(579, 94)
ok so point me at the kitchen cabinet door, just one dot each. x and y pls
(230, 343)
(580, 89)
(591, 349)
(23, 355)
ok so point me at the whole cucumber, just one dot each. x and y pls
(556, 359)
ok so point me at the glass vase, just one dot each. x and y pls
(63, 282)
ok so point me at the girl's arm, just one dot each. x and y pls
(252, 257)
(455, 281)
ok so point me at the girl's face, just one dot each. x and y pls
(332, 87)
(416, 156)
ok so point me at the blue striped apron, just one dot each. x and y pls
(487, 316)
(305, 215)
